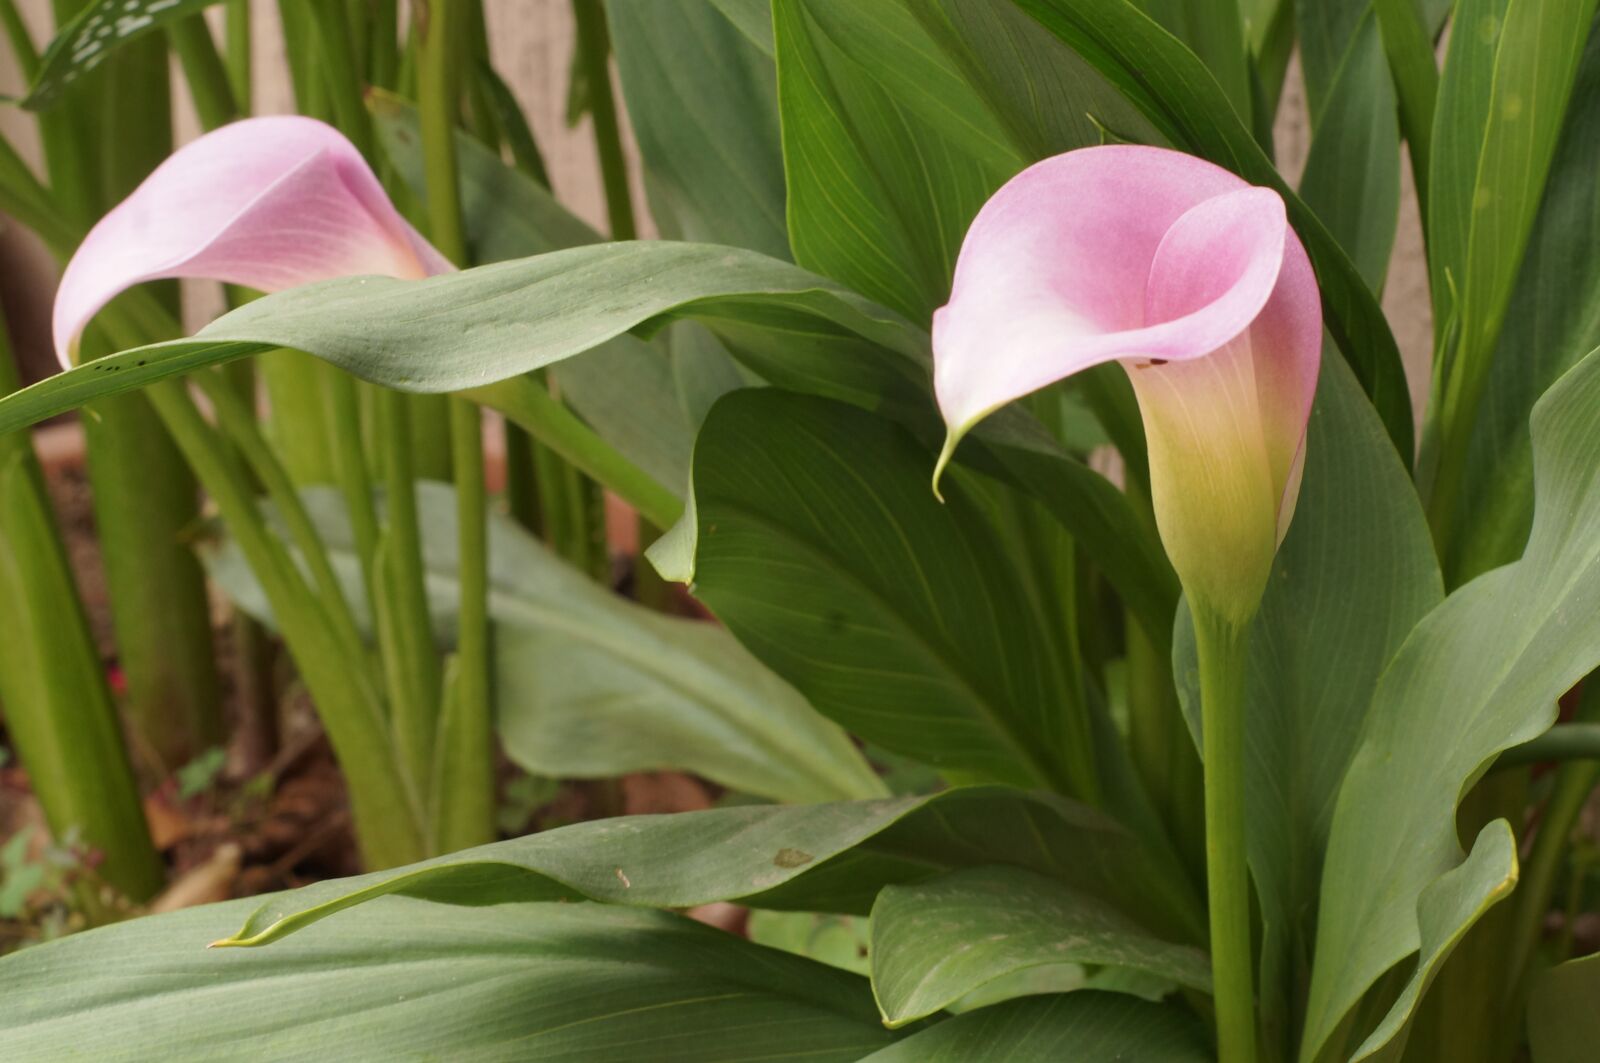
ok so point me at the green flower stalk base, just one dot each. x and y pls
(1222, 647)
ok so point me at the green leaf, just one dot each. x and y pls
(827, 858)
(703, 103)
(99, 28)
(407, 979)
(590, 685)
(879, 196)
(501, 105)
(1039, 94)
(753, 19)
(1354, 575)
(1326, 32)
(1563, 1023)
(1178, 94)
(626, 391)
(1447, 909)
(836, 940)
(1052, 1029)
(1552, 322)
(624, 388)
(1409, 30)
(1352, 175)
(1214, 31)
(901, 618)
(1478, 674)
(1100, 517)
(936, 941)
(1506, 83)
(499, 321)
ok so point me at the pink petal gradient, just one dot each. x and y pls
(268, 203)
(1193, 280)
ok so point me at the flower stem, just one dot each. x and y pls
(594, 51)
(464, 788)
(60, 713)
(1574, 783)
(209, 86)
(1222, 647)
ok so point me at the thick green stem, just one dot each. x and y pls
(301, 50)
(383, 59)
(236, 47)
(1579, 740)
(526, 402)
(388, 812)
(522, 479)
(1222, 650)
(1536, 886)
(59, 710)
(464, 789)
(464, 795)
(234, 418)
(594, 51)
(1163, 753)
(203, 69)
(340, 73)
(405, 630)
(145, 497)
(384, 804)
(22, 46)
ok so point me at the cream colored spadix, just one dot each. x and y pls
(1194, 282)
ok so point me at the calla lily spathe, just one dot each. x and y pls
(1194, 282)
(268, 203)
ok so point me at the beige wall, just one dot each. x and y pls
(532, 42)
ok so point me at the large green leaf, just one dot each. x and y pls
(590, 685)
(1447, 909)
(829, 857)
(1038, 94)
(902, 117)
(1354, 575)
(1352, 175)
(1325, 32)
(1101, 519)
(1178, 94)
(823, 550)
(1553, 320)
(1067, 1028)
(499, 321)
(934, 942)
(1563, 1023)
(1480, 673)
(879, 196)
(1504, 92)
(702, 100)
(406, 979)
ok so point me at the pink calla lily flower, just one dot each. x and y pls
(268, 203)
(1194, 282)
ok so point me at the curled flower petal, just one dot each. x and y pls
(1190, 278)
(268, 203)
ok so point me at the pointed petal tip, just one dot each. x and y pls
(67, 350)
(952, 439)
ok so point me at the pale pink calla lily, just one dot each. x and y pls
(268, 203)
(1194, 282)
